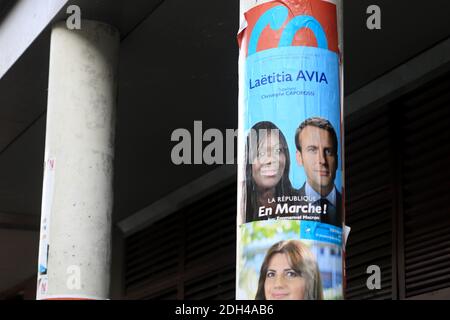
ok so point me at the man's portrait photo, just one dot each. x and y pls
(317, 144)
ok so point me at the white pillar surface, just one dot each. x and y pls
(77, 194)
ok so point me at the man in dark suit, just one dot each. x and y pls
(317, 145)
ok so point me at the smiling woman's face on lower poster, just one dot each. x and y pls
(282, 282)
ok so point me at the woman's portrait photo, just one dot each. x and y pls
(275, 262)
(289, 272)
(267, 165)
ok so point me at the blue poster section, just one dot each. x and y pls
(287, 85)
(310, 230)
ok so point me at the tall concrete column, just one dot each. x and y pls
(77, 197)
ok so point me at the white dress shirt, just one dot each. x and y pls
(314, 195)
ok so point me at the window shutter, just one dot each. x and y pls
(188, 255)
(426, 187)
(368, 203)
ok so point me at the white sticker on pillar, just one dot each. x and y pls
(44, 240)
(290, 218)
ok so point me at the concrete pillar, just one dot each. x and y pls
(77, 197)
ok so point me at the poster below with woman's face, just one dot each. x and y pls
(289, 260)
(290, 212)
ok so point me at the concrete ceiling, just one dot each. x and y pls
(178, 63)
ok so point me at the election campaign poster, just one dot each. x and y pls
(290, 174)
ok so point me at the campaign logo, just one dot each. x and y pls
(310, 23)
